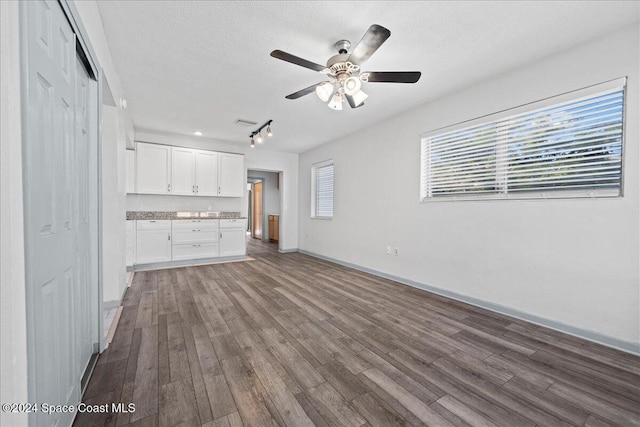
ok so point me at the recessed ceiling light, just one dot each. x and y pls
(197, 133)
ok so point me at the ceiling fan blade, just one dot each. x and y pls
(352, 102)
(371, 41)
(297, 60)
(391, 76)
(303, 92)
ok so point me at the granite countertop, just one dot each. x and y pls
(156, 215)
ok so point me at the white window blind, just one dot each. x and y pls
(572, 148)
(322, 190)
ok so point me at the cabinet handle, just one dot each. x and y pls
(168, 188)
(195, 230)
(193, 189)
(151, 221)
(168, 236)
(196, 189)
(218, 189)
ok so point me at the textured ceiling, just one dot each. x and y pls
(189, 66)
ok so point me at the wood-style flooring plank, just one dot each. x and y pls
(291, 340)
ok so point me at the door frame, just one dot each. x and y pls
(85, 51)
(257, 179)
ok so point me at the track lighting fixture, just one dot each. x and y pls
(256, 135)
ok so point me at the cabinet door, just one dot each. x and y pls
(153, 168)
(153, 246)
(232, 242)
(131, 172)
(131, 242)
(231, 175)
(206, 173)
(183, 171)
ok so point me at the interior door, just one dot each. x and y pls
(57, 201)
(83, 207)
(257, 210)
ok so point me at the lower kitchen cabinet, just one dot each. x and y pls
(187, 251)
(194, 239)
(159, 241)
(232, 237)
(153, 241)
(131, 243)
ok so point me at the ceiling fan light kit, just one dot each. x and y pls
(344, 73)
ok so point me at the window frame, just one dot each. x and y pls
(314, 189)
(529, 108)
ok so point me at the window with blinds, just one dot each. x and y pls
(570, 149)
(322, 190)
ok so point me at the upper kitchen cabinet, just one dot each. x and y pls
(183, 171)
(162, 169)
(194, 172)
(231, 181)
(206, 173)
(131, 172)
(153, 168)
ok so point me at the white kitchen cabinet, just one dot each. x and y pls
(131, 243)
(231, 182)
(194, 239)
(206, 173)
(183, 171)
(232, 237)
(153, 168)
(153, 241)
(131, 172)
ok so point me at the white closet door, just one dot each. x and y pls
(56, 213)
(83, 284)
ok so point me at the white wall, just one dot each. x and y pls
(13, 327)
(572, 263)
(255, 158)
(270, 195)
(113, 244)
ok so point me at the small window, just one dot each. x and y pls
(322, 190)
(571, 147)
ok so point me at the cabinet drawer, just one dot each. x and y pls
(194, 251)
(153, 225)
(195, 224)
(194, 235)
(232, 223)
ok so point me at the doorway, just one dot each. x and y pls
(264, 205)
(257, 210)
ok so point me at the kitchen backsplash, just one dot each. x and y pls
(150, 202)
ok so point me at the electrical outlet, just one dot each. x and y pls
(396, 251)
(388, 250)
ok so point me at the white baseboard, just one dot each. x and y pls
(597, 337)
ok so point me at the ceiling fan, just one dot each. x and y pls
(343, 70)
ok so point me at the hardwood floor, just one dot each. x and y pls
(296, 341)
